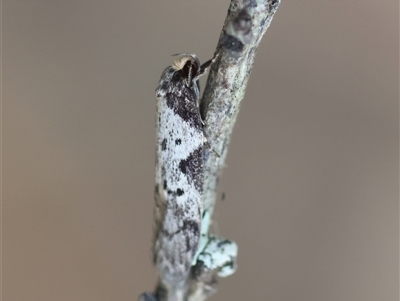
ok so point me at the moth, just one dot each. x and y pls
(179, 169)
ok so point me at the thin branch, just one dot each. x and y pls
(244, 27)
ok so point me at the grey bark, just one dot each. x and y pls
(244, 27)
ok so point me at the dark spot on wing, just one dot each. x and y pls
(179, 192)
(164, 144)
(178, 141)
(192, 167)
(192, 227)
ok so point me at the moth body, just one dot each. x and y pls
(179, 169)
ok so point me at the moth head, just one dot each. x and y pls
(189, 65)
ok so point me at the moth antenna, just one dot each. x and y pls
(189, 79)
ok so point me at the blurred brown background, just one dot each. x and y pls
(312, 178)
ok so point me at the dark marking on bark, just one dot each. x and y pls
(274, 3)
(232, 43)
(230, 264)
(242, 23)
(223, 242)
(178, 142)
(250, 4)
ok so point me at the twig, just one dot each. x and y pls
(244, 27)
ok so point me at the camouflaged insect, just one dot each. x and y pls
(179, 169)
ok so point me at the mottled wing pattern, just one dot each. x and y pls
(179, 175)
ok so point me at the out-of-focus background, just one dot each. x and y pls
(311, 182)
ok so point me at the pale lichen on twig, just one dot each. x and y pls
(244, 27)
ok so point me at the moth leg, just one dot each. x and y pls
(204, 68)
(207, 144)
